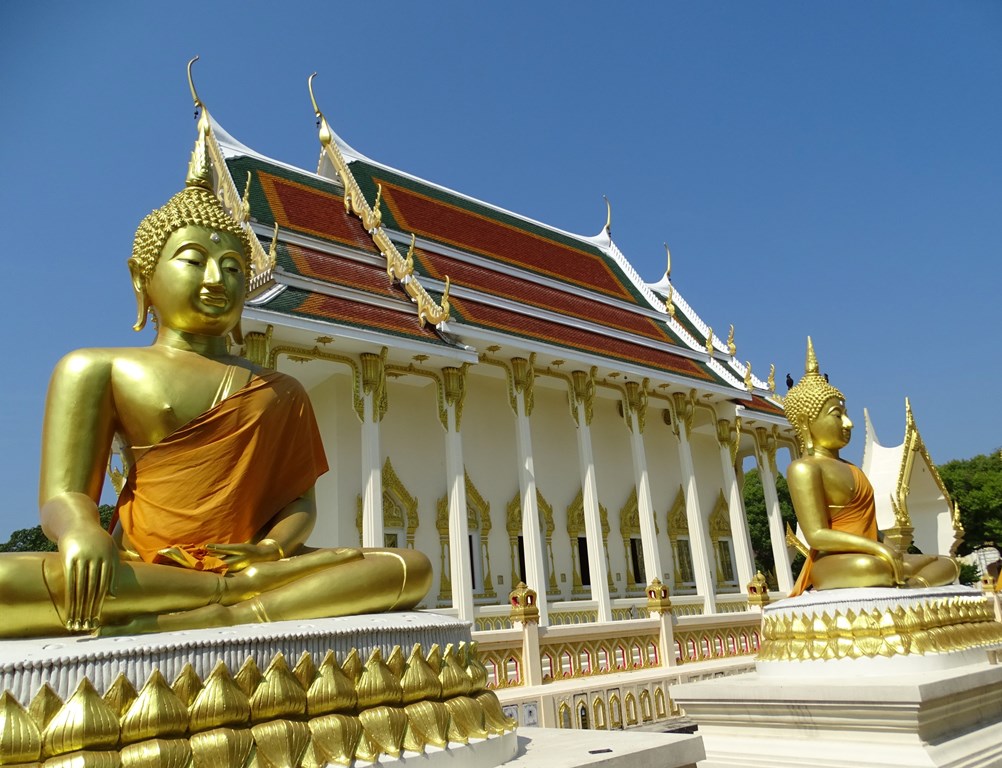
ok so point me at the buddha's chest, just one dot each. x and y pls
(160, 399)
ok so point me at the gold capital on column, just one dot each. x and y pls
(583, 391)
(767, 444)
(455, 389)
(374, 381)
(523, 378)
(685, 409)
(257, 347)
(729, 435)
(636, 402)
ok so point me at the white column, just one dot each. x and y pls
(636, 411)
(766, 457)
(728, 435)
(373, 407)
(459, 535)
(583, 390)
(535, 570)
(698, 535)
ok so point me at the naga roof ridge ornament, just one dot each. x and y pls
(208, 156)
(398, 267)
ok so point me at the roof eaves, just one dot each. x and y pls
(488, 337)
(355, 333)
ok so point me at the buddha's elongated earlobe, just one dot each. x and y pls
(142, 300)
(237, 333)
(808, 440)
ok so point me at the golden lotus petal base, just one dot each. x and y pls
(318, 712)
(908, 622)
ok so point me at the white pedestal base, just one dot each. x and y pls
(942, 718)
(560, 748)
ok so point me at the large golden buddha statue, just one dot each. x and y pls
(223, 457)
(834, 501)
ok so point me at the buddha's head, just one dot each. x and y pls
(816, 409)
(191, 260)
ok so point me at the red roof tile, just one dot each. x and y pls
(503, 320)
(366, 315)
(464, 229)
(312, 211)
(499, 284)
(340, 270)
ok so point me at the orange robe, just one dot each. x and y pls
(224, 475)
(859, 516)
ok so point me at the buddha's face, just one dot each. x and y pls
(831, 429)
(199, 282)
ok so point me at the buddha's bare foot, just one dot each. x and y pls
(263, 577)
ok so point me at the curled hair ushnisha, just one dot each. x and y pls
(193, 205)
(804, 401)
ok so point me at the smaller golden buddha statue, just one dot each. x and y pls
(223, 456)
(834, 501)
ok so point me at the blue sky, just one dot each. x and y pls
(831, 169)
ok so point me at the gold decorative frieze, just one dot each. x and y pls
(311, 715)
(952, 623)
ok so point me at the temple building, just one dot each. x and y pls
(515, 401)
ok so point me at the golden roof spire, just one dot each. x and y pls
(199, 168)
(398, 267)
(668, 268)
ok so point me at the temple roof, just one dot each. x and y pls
(508, 276)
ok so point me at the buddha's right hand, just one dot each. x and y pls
(90, 565)
(897, 563)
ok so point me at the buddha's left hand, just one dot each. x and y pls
(239, 556)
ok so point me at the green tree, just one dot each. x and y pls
(758, 522)
(33, 540)
(975, 485)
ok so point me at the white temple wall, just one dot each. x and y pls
(342, 436)
(665, 475)
(558, 476)
(490, 455)
(412, 438)
(709, 481)
(614, 474)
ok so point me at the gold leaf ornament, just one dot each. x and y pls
(20, 740)
(84, 722)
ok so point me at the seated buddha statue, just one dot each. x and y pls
(834, 501)
(222, 454)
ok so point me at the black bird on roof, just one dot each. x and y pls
(789, 381)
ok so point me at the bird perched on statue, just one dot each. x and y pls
(789, 381)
